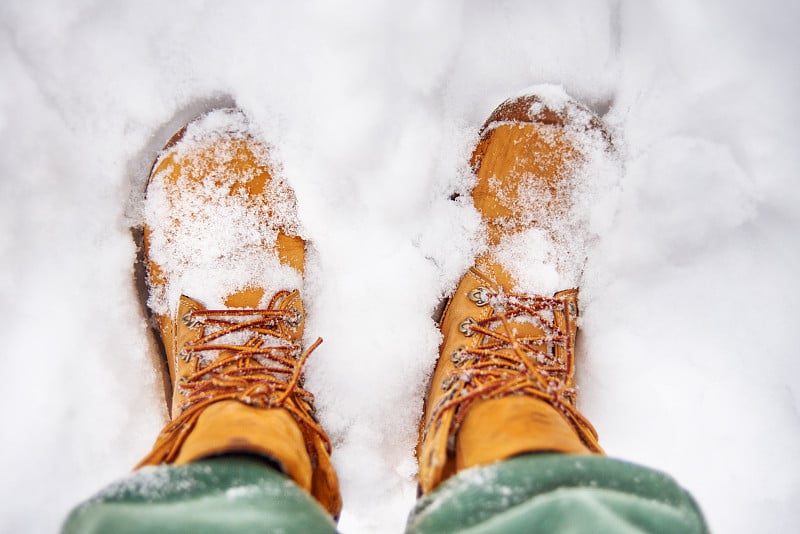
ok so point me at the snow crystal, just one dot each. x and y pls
(239, 492)
(550, 96)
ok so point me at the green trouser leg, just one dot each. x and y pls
(558, 493)
(227, 494)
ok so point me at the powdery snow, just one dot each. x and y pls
(687, 354)
(563, 223)
(209, 237)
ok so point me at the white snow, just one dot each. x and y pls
(209, 237)
(688, 359)
(564, 223)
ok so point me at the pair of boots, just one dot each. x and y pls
(225, 266)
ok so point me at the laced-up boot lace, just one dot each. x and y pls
(264, 371)
(539, 365)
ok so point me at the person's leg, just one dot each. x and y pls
(227, 494)
(503, 446)
(552, 493)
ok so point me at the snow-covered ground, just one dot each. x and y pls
(689, 360)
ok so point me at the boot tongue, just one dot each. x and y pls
(246, 298)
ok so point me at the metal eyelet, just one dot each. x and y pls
(465, 327)
(448, 382)
(185, 355)
(189, 321)
(480, 296)
(295, 319)
(457, 357)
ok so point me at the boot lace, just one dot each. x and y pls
(540, 365)
(253, 360)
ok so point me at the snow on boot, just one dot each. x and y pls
(225, 266)
(504, 383)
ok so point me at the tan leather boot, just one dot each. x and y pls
(215, 216)
(504, 383)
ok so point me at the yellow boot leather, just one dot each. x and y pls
(504, 383)
(236, 370)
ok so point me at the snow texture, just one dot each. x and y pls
(689, 297)
(562, 224)
(209, 236)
